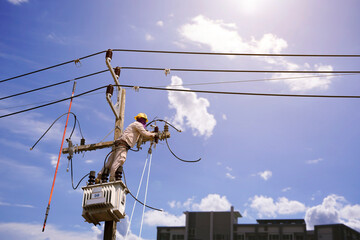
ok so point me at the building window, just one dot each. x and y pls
(177, 237)
(219, 237)
(239, 237)
(164, 236)
(287, 237)
(299, 238)
(274, 237)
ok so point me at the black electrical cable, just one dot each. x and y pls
(53, 85)
(187, 161)
(157, 209)
(72, 176)
(161, 120)
(237, 70)
(183, 160)
(51, 127)
(47, 68)
(245, 94)
(54, 102)
(239, 54)
(189, 90)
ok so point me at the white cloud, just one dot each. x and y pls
(224, 37)
(15, 205)
(266, 175)
(334, 209)
(229, 168)
(148, 37)
(266, 207)
(224, 117)
(160, 23)
(286, 189)
(212, 202)
(314, 161)
(30, 231)
(228, 175)
(17, 2)
(192, 108)
(156, 218)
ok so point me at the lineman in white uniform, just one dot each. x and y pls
(127, 140)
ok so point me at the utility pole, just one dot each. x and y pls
(110, 226)
(106, 201)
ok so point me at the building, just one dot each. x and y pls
(224, 226)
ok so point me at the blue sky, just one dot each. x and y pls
(269, 157)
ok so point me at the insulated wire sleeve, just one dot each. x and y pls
(47, 68)
(137, 195)
(146, 192)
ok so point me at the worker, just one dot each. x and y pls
(126, 141)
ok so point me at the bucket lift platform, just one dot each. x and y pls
(104, 202)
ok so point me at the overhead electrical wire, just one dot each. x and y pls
(239, 54)
(53, 85)
(207, 83)
(237, 70)
(47, 68)
(188, 52)
(189, 90)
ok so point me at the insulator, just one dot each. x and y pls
(117, 71)
(156, 129)
(91, 178)
(166, 128)
(82, 142)
(105, 175)
(109, 89)
(118, 173)
(109, 54)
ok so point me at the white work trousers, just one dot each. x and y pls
(116, 159)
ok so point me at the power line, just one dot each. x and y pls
(260, 80)
(53, 85)
(51, 103)
(190, 91)
(236, 70)
(239, 54)
(248, 94)
(47, 68)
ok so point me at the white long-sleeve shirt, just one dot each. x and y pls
(133, 132)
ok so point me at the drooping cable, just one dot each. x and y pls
(47, 68)
(238, 54)
(137, 195)
(146, 192)
(153, 208)
(53, 125)
(72, 176)
(187, 161)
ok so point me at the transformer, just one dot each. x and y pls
(104, 202)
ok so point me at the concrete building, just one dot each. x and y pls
(224, 226)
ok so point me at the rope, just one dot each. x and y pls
(137, 194)
(146, 190)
